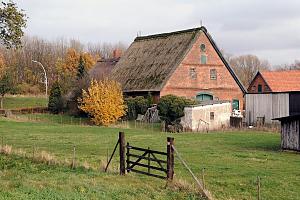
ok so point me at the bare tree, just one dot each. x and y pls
(246, 66)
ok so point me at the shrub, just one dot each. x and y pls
(25, 88)
(171, 107)
(135, 106)
(55, 104)
(103, 101)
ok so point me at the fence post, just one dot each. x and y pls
(170, 158)
(203, 180)
(258, 188)
(73, 161)
(122, 152)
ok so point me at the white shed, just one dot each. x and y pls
(208, 115)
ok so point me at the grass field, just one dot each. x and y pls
(11, 102)
(233, 160)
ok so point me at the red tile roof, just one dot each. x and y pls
(282, 81)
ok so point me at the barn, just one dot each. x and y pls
(273, 94)
(290, 132)
(185, 63)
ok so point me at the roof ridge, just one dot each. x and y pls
(161, 35)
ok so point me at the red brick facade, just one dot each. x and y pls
(258, 82)
(182, 83)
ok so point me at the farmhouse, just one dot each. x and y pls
(290, 132)
(184, 63)
(273, 94)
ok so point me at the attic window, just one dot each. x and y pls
(213, 74)
(203, 59)
(202, 47)
(193, 74)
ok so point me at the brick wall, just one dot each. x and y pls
(182, 84)
(258, 80)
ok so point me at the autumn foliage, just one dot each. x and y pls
(103, 101)
(69, 64)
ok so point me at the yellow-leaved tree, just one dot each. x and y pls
(103, 101)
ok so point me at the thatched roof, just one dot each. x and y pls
(150, 60)
(103, 68)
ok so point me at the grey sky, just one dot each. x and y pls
(267, 28)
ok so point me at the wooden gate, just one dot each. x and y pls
(145, 161)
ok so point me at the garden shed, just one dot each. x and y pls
(208, 115)
(290, 132)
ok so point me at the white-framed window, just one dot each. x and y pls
(213, 74)
(193, 73)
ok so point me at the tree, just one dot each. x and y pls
(246, 66)
(81, 68)
(5, 87)
(12, 23)
(103, 101)
(171, 107)
(55, 104)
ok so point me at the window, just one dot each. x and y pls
(253, 88)
(259, 88)
(193, 74)
(202, 47)
(213, 74)
(204, 96)
(212, 115)
(203, 59)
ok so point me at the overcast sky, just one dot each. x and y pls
(269, 29)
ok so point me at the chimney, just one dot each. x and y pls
(117, 53)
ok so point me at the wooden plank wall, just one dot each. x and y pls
(270, 106)
(290, 135)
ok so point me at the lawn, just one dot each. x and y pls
(232, 162)
(14, 102)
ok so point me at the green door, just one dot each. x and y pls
(204, 97)
(235, 104)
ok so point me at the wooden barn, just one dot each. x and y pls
(290, 132)
(273, 94)
(184, 63)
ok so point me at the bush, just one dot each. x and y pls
(171, 107)
(25, 88)
(55, 104)
(135, 106)
(103, 101)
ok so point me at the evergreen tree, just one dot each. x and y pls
(55, 104)
(81, 68)
(6, 86)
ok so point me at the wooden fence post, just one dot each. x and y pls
(170, 158)
(258, 188)
(74, 161)
(122, 152)
(203, 180)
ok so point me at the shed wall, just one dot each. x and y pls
(270, 106)
(290, 134)
(199, 118)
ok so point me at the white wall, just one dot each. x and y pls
(197, 118)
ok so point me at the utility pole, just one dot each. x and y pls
(45, 75)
